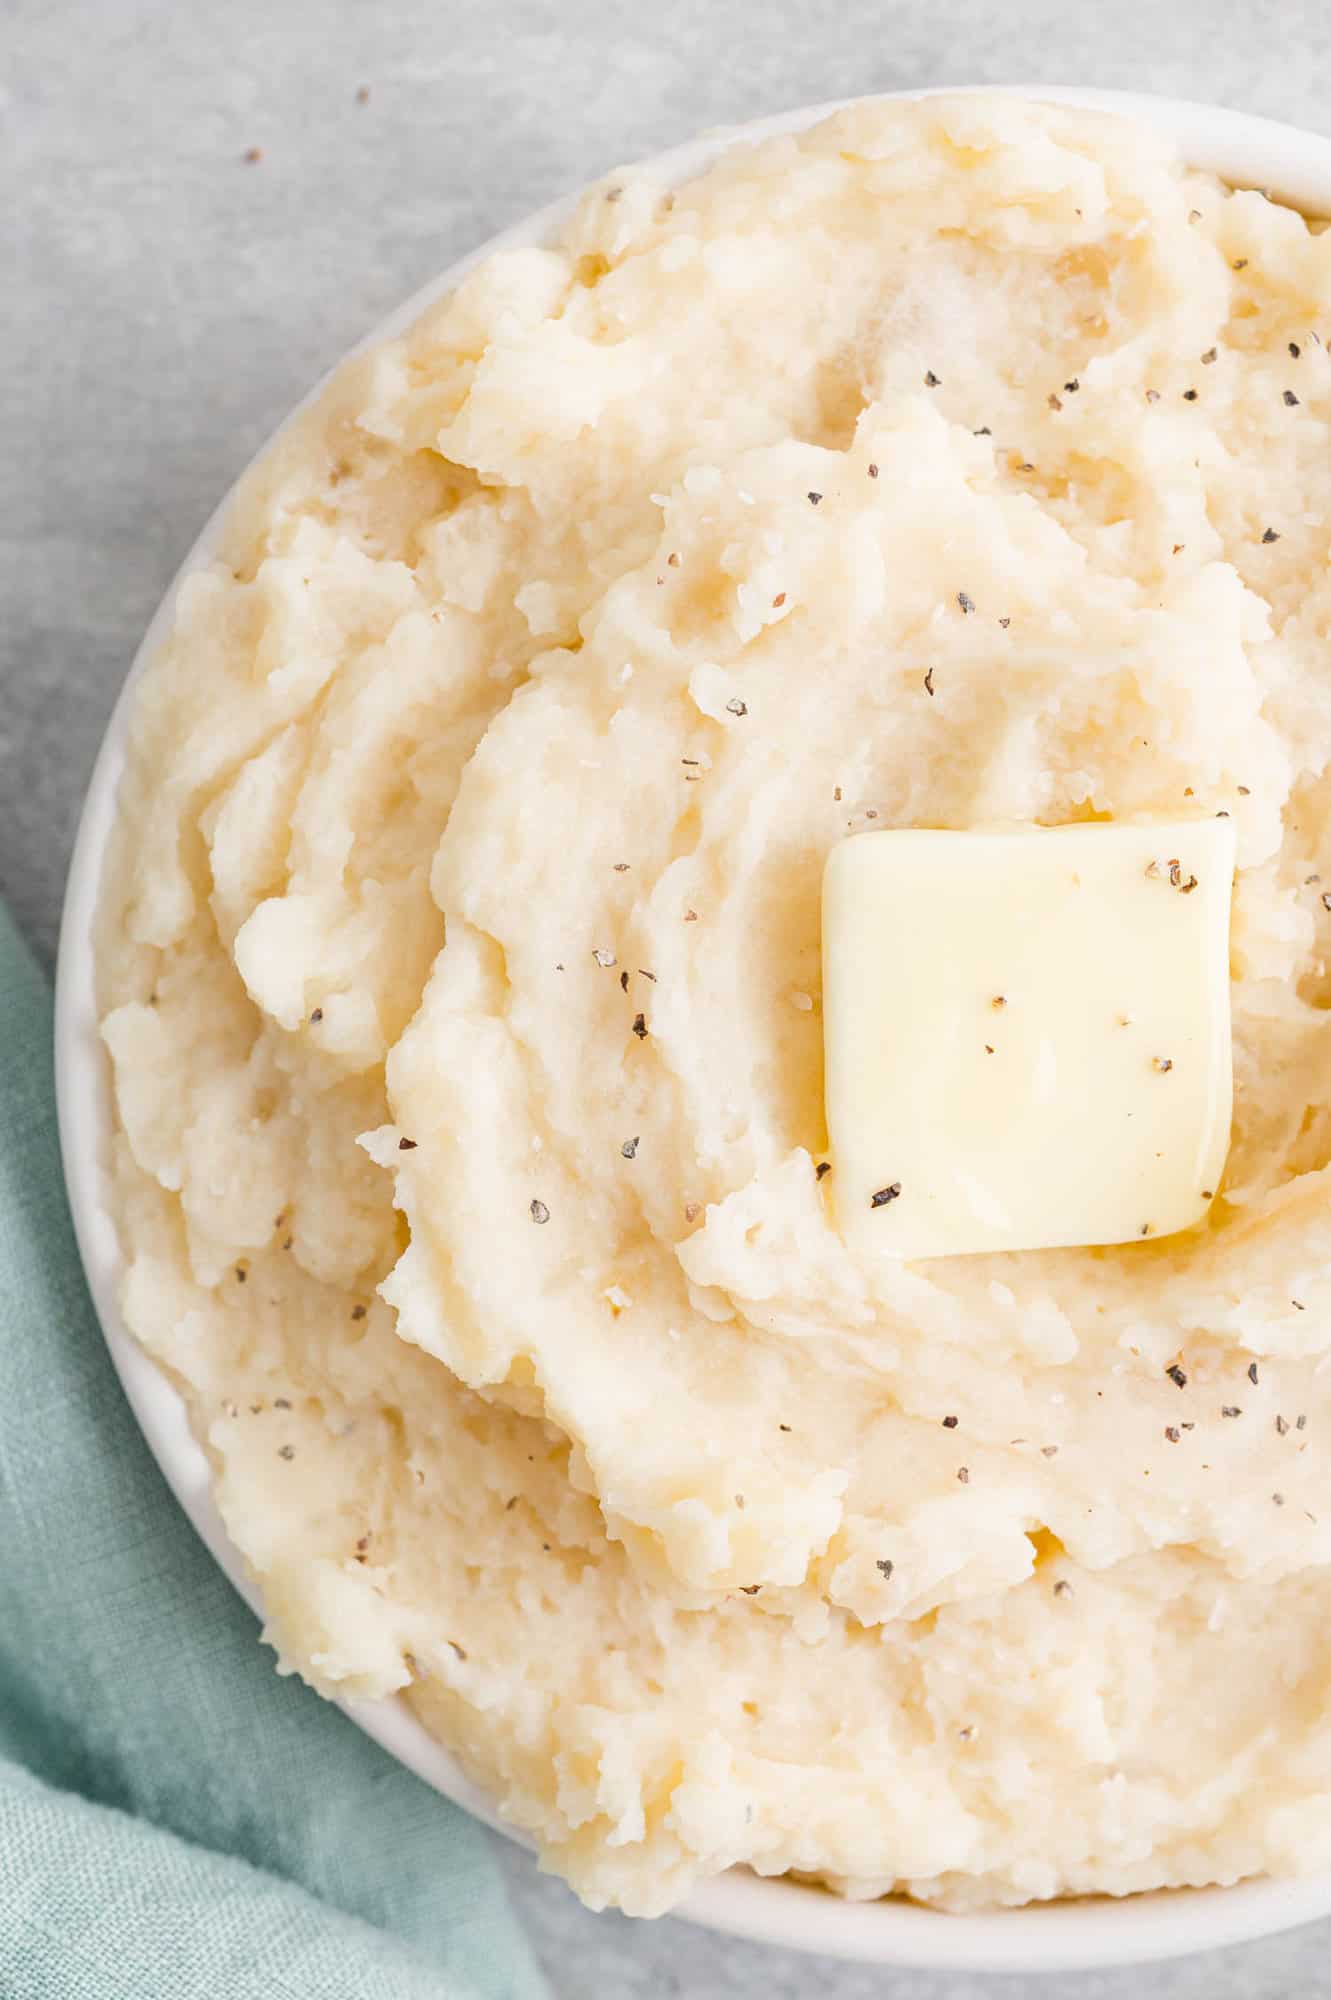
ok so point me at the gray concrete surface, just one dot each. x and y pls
(172, 299)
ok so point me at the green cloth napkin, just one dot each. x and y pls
(176, 1822)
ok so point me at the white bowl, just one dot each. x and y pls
(1255, 152)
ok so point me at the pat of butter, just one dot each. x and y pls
(1027, 1034)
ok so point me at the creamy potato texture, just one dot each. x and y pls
(946, 465)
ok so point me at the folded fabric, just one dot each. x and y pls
(175, 1820)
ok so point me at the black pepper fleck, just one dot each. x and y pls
(539, 1212)
(931, 381)
(317, 1014)
(1252, 1373)
(1189, 395)
(640, 1027)
(406, 1145)
(1294, 350)
(1171, 1433)
(963, 1474)
(967, 603)
(884, 1195)
(1208, 357)
(814, 499)
(1176, 1376)
(949, 1423)
(287, 1451)
(929, 682)
(1271, 535)
(629, 1149)
(886, 1565)
(1290, 400)
(359, 1312)
(823, 1168)
(1230, 1410)
(736, 707)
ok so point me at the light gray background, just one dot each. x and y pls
(172, 301)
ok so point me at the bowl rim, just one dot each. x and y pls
(1047, 1937)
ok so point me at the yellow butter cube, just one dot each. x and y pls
(1026, 1034)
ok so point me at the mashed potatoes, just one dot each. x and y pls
(946, 464)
